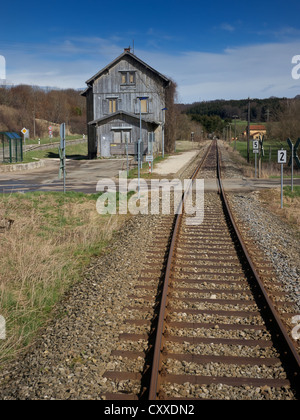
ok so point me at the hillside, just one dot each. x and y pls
(280, 116)
(36, 109)
(261, 110)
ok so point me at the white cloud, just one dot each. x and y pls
(256, 71)
(227, 27)
(238, 72)
(2, 68)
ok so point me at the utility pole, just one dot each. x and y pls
(235, 117)
(248, 133)
(62, 154)
(140, 148)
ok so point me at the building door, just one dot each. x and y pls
(105, 145)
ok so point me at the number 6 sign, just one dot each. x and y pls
(282, 156)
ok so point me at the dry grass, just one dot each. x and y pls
(185, 146)
(290, 213)
(51, 241)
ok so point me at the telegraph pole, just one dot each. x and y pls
(248, 133)
(235, 117)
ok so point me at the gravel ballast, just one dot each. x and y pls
(69, 358)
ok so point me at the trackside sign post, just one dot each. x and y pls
(62, 154)
(255, 151)
(293, 157)
(282, 160)
(24, 131)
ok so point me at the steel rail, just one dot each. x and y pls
(282, 337)
(274, 321)
(156, 362)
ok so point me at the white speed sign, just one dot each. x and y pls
(282, 156)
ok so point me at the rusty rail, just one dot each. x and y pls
(156, 364)
(280, 334)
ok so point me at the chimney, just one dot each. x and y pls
(127, 49)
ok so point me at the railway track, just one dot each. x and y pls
(209, 329)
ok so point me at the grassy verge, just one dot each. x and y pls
(292, 194)
(185, 146)
(46, 140)
(133, 173)
(53, 238)
(77, 151)
(270, 167)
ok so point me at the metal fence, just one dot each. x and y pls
(11, 147)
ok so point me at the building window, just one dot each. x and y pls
(123, 78)
(112, 105)
(121, 136)
(131, 78)
(117, 137)
(144, 106)
(128, 78)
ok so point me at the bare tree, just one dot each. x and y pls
(172, 114)
(288, 123)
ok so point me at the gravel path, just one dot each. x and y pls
(174, 163)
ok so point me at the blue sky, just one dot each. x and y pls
(212, 50)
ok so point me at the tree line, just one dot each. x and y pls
(261, 110)
(280, 115)
(35, 108)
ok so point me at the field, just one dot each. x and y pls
(46, 140)
(270, 167)
(52, 240)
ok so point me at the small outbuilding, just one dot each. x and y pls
(11, 147)
(256, 131)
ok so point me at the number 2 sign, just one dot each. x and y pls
(282, 156)
(282, 160)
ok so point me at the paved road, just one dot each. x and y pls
(82, 175)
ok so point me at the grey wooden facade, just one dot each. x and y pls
(123, 99)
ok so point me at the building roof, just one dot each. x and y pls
(126, 53)
(257, 127)
(11, 135)
(84, 92)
